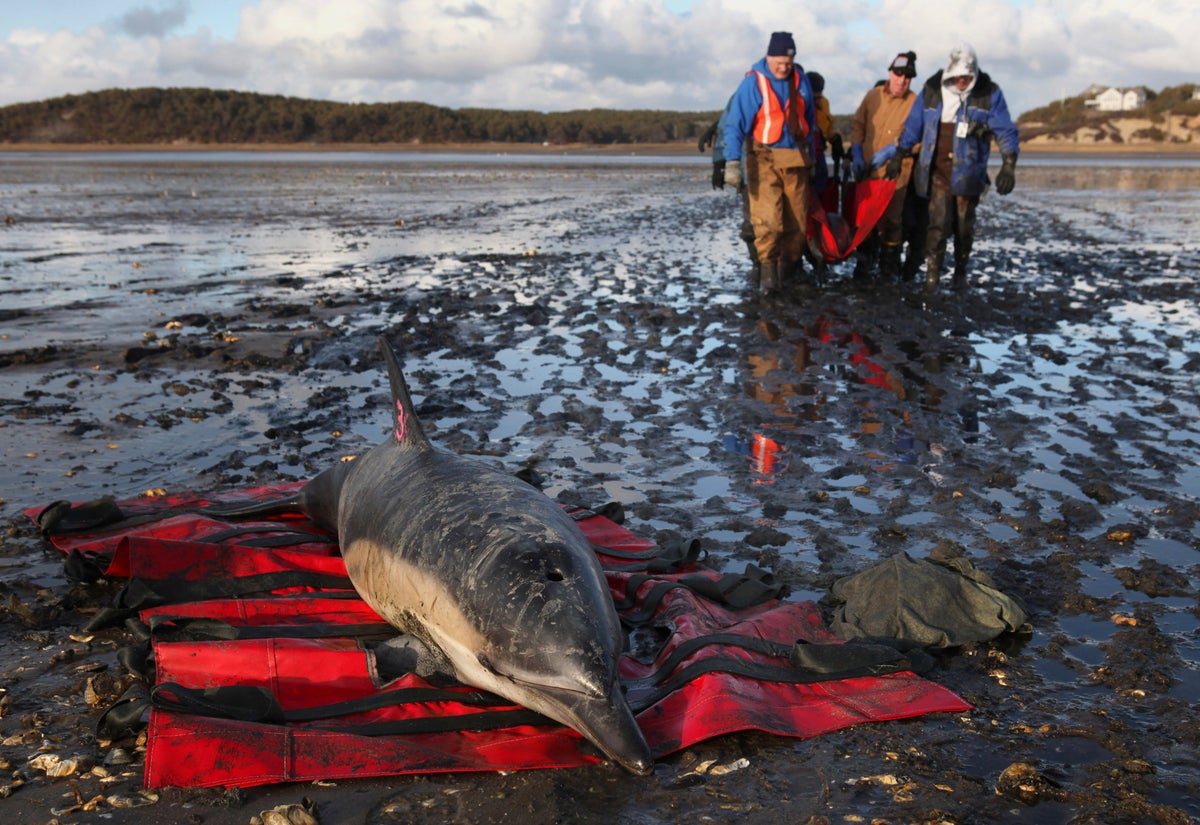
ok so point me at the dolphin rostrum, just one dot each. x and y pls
(486, 569)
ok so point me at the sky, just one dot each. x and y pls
(554, 55)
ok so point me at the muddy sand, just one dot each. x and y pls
(208, 323)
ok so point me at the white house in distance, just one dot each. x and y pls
(1113, 99)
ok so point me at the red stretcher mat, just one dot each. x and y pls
(838, 232)
(714, 668)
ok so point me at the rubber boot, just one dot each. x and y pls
(912, 263)
(933, 271)
(769, 283)
(755, 275)
(864, 260)
(959, 281)
(889, 262)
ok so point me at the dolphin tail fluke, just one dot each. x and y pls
(407, 431)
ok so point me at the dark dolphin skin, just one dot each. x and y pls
(486, 569)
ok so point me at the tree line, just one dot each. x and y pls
(208, 116)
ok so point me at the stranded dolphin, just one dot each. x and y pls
(486, 569)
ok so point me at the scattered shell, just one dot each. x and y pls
(91, 805)
(303, 814)
(878, 779)
(137, 800)
(1022, 782)
(118, 756)
(27, 737)
(55, 766)
(731, 767)
(1127, 621)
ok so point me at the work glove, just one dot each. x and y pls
(718, 179)
(706, 138)
(883, 156)
(980, 129)
(892, 170)
(858, 166)
(733, 173)
(835, 145)
(1006, 178)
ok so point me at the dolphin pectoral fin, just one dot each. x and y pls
(254, 508)
(405, 654)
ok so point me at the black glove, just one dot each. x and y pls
(1006, 178)
(707, 137)
(892, 170)
(839, 151)
(979, 129)
(719, 174)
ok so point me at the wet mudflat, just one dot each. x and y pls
(193, 323)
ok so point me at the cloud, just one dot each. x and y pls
(563, 54)
(147, 22)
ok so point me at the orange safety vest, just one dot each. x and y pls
(768, 123)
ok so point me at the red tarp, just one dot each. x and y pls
(839, 232)
(185, 749)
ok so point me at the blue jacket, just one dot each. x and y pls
(718, 150)
(746, 101)
(986, 115)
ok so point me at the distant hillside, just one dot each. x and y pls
(207, 116)
(1169, 117)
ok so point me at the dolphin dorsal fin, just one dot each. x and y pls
(406, 427)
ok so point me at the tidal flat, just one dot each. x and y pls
(207, 321)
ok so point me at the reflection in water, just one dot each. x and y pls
(811, 365)
(764, 454)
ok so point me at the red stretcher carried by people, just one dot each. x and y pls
(262, 665)
(844, 213)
